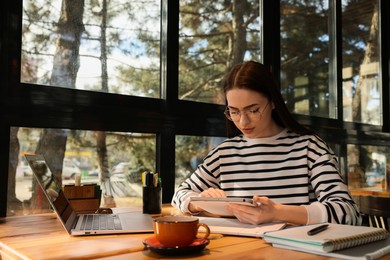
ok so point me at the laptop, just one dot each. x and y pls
(84, 224)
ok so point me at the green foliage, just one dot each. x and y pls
(206, 36)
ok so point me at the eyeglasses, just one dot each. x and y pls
(252, 114)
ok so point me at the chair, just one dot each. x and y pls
(376, 211)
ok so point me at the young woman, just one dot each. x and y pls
(289, 171)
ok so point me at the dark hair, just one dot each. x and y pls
(257, 77)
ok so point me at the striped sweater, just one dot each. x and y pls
(288, 168)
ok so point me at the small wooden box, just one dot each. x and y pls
(77, 192)
(84, 198)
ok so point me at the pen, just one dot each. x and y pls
(155, 179)
(317, 230)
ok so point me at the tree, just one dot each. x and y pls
(64, 73)
(14, 204)
(305, 56)
(214, 36)
(368, 55)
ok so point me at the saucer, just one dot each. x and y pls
(154, 245)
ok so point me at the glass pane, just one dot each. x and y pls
(304, 42)
(107, 46)
(368, 166)
(361, 83)
(213, 36)
(113, 160)
(190, 151)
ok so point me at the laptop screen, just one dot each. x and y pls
(51, 187)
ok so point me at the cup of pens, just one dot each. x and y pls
(151, 193)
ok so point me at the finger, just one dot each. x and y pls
(238, 208)
(221, 193)
(245, 218)
(207, 193)
(215, 193)
(194, 208)
(261, 200)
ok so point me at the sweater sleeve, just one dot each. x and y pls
(334, 202)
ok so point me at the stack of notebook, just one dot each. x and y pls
(340, 241)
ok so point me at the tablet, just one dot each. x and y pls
(217, 206)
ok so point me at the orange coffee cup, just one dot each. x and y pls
(178, 231)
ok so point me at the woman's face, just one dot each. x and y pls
(251, 112)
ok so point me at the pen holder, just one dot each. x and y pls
(151, 199)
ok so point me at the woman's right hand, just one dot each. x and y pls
(213, 193)
(209, 193)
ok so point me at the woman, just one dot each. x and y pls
(289, 171)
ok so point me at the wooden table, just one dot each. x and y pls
(371, 191)
(42, 237)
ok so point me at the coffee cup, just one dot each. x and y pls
(178, 231)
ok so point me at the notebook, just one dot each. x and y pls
(335, 237)
(84, 224)
(232, 226)
(371, 251)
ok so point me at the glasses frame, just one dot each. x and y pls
(240, 112)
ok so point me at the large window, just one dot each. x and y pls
(368, 166)
(108, 46)
(304, 57)
(113, 160)
(213, 36)
(362, 98)
(190, 152)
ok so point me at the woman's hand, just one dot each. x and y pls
(213, 193)
(267, 211)
(209, 193)
(264, 211)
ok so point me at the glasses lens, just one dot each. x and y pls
(227, 114)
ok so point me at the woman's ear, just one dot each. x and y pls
(272, 105)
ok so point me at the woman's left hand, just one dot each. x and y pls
(264, 211)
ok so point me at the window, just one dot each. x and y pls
(304, 51)
(190, 152)
(107, 46)
(213, 36)
(368, 166)
(114, 160)
(362, 98)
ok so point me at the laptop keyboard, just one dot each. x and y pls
(101, 222)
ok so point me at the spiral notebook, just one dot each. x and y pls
(335, 237)
(371, 251)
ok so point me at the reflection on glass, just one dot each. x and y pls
(361, 83)
(50, 186)
(304, 42)
(114, 160)
(368, 166)
(190, 151)
(107, 46)
(213, 36)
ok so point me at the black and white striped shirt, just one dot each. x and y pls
(288, 168)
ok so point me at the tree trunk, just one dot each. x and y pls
(239, 31)
(369, 57)
(13, 203)
(66, 58)
(104, 173)
(52, 143)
